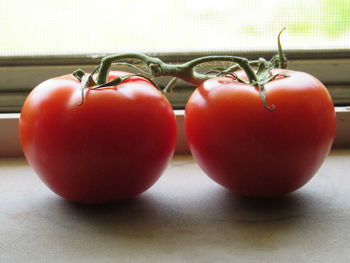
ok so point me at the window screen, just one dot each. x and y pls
(41, 27)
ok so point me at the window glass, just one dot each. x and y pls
(41, 27)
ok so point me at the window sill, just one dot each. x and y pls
(185, 214)
(10, 145)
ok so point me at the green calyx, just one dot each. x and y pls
(264, 75)
(88, 82)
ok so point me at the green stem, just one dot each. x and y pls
(242, 62)
(106, 64)
(183, 71)
(282, 58)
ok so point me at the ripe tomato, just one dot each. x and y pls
(115, 145)
(253, 151)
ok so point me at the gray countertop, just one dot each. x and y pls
(184, 217)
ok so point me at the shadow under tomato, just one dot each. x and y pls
(114, 213)
(240, 208)
(270, 223)
(212, 217)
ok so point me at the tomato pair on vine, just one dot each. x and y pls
(256, 128)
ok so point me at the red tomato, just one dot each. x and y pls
(115, 145)
(253, 151)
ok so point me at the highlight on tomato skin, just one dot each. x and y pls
(114, 145)
(257, 152)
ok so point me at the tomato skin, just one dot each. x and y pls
(253, 151)
(114, 146)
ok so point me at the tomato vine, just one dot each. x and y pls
(258, 71)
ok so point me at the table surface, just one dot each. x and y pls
(184, 217)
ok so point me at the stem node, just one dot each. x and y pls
(156, 69)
